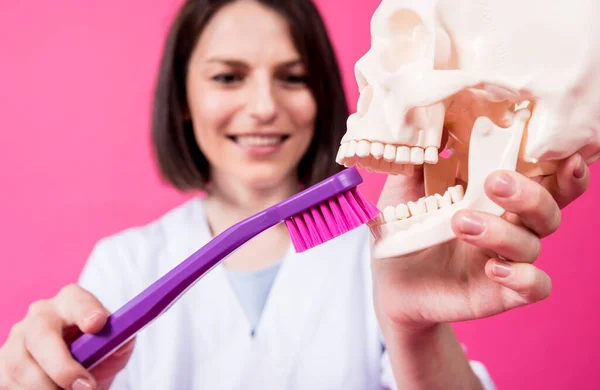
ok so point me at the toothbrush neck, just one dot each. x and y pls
(232, 200)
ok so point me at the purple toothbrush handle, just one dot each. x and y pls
(125, 323)
(122, 325)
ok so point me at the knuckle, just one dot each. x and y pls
(10, 372)
(37, 308)
(93, 305)
(69, 290)
(78, 298)
(16, 330)
(36, 333)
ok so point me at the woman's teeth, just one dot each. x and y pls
(255, 140)
(423, 205)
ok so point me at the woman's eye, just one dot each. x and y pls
(295, 79)
(227, 78)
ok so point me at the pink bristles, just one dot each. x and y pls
(330, 219)
(321, 225)
(338, 215)
(333, 227)
(311, 226)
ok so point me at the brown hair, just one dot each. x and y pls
(180, 161)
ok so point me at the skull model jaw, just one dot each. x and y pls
(466, 72)
(434, 227)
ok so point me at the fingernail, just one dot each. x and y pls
(579, 171)
(81, 384)
(504, 186)
(93, 317)
(471, 225)
(501, 270)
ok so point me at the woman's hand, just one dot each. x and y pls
(490, 268)
(487, 270)
(36, 353)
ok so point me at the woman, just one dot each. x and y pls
(249, 107)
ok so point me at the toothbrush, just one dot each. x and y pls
(316, 215)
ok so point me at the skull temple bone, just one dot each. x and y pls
(466, 87)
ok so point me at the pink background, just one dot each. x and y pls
(75, 85)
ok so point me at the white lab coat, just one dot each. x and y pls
(318, 329)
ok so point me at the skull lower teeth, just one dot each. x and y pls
(424, 205)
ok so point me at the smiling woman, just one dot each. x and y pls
(253, 92)
(245, 102)
(266, 139)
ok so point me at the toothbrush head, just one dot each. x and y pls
(329, 219)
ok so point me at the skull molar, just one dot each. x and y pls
(436, 67)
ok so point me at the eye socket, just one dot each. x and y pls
(409, 39)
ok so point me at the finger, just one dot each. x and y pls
(18, 370)
(106, 370)
(497, 235)
(81, 308)
(525, 283)
(571, 180)
(25, 373)
(402, 188)
(44, 342)
(530, 201)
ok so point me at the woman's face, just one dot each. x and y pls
(252, 111)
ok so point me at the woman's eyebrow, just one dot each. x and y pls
(228, 61)
(241, 64)
(291, 63)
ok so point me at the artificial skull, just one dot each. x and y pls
(467, 87)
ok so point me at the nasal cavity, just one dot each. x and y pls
(408, 39)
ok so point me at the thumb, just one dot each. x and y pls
(402, 188)
(105, 372)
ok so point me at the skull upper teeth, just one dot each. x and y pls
(389, 153)
(385, 158)
(431, 155)
(403, 155)
(423, 205)
(377, 150)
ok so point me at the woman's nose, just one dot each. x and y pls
(262, 103)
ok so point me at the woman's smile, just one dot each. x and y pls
(260, 144)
